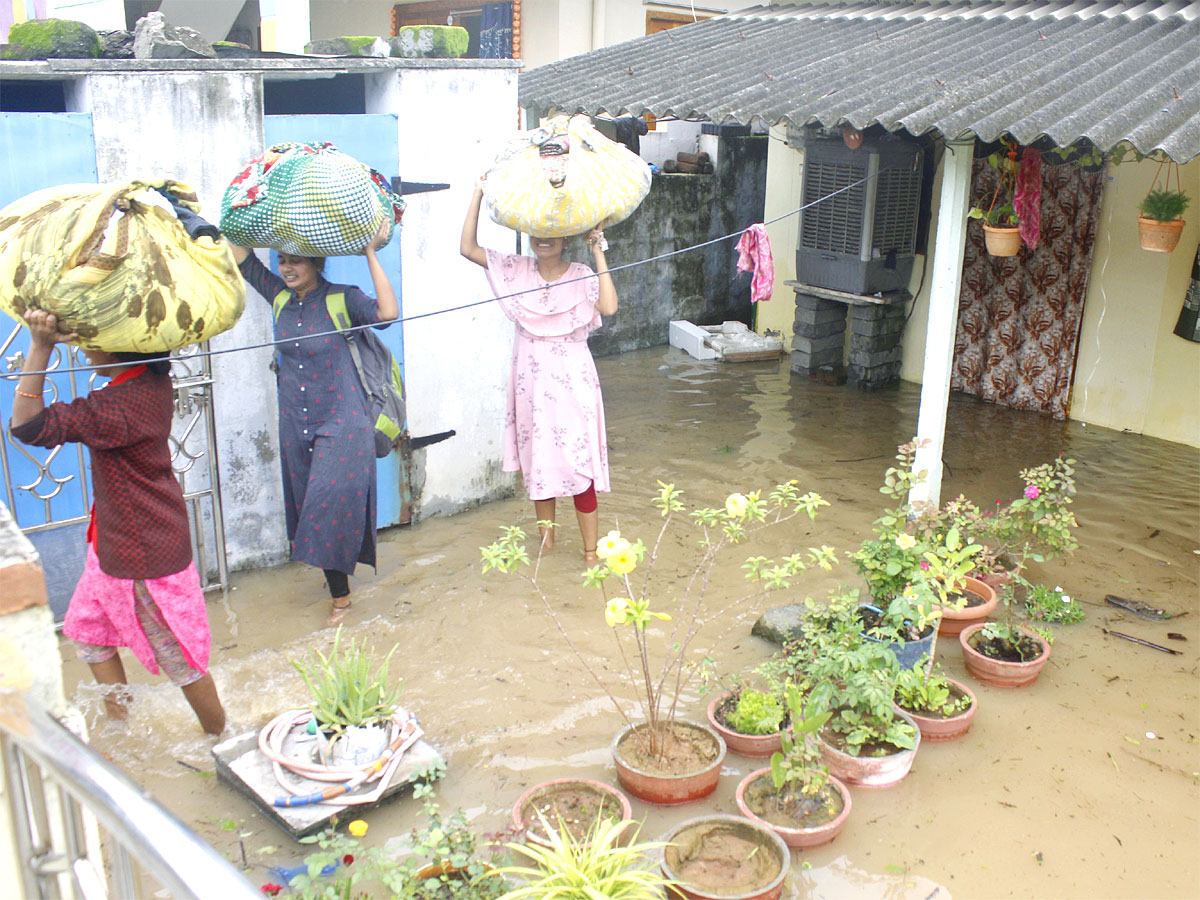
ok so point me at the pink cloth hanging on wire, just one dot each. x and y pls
(1027, 197)
(754, 255)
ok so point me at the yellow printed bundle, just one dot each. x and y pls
(563, 179)
(115, 265)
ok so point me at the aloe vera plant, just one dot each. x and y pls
(347, 687)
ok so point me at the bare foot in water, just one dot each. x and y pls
(590, 557)
(547, 542)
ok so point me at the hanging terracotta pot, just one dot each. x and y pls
(724, 857)
(949, 728)
(795, 835)
(953, 621)
(1159, 237)
(666, 788)
(1000, 672)
(1001, 241)
(753, 745)
(575, 802)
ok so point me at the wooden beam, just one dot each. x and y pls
(944, 286)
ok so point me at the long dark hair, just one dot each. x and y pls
(158, 363)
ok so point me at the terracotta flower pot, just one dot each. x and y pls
(938, 729)
(576, 800)
(797, 838)
(751, 860)
(1159, 237)
(998, 672)
(743, 744)
(667, 789)
(1001, 241)
(871, 771)
(955, 620)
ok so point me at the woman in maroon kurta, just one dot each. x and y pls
(139, 588)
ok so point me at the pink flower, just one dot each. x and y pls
(271, 889)
(1032, 491)
(924, 565)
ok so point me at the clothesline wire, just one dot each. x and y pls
(438, 312)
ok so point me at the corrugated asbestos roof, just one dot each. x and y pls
(1101, 69)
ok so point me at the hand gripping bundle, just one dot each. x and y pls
(116, 265)
(308, 199)
(563, 179)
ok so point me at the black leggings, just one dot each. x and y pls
(339, 583)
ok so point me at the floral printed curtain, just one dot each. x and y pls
(1019, 317)
(495, 31)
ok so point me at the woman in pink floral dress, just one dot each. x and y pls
(554, 432)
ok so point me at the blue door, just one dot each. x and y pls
(373, 140)
(46, 490)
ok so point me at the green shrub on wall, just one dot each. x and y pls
(52, 39)
(430, 42)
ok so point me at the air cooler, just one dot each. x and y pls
(862, 240)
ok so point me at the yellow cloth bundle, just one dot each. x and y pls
(115, 265)
(563, 179)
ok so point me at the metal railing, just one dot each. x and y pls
(55, 782)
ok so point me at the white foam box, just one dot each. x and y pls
(690, 339)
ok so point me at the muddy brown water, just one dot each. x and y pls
(1084, 785)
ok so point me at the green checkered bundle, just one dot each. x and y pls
(308, 199)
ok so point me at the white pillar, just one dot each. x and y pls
(943, 318)
(285, 25)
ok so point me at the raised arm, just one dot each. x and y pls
(469, 245)
(385, 297)
(239, 253)
(606, 303)
(43, 335)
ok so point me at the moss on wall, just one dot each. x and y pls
(430, 42)
(54, 39)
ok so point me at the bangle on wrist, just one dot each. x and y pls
(21, 393)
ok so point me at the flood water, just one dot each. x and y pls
(1058, 791)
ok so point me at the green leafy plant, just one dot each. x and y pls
(1004, 216)
(635, 613)
(798, 767)
(1164, 205)
(925, 689)
(1005, 640)
(756, 712)
(342, 868)
(598, 866)
(1046, 605)
(347, 687)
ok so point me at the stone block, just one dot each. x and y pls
(873, 377)
(877, 312)
(20, 568)
(52, 39)
(807, 363)
(893, 325)
(819, 315)
(153, 38)
(875, 341)
(354, 45)
(816, 345)
(868, 359)
(834, 375)
(819, 329)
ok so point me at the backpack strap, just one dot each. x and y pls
(280, 302)
(335, 302)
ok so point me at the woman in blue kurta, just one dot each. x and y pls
(327, 443)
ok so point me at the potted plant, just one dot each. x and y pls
(572, 805)
(942, 707)
(353, 702)
(600, 864)
(866, 741)
(1161, 221)
(1004, 654)
(1000, 222)
(749, 720)
(725, 857)
(796, 796)
(664, 758)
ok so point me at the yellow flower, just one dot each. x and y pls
(622, 561)
(735, 505)
(610, 544)
(616, 612)
(905, 541)
(357, 828)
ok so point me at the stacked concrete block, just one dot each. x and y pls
(875, 351)
(820, 333)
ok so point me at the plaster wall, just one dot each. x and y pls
(1131, 373)
(342, 18)
(456, 363)
(200, 128)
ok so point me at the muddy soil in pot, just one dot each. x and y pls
(1046, 772)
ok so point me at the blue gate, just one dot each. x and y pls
(373, 140)
(48, 492)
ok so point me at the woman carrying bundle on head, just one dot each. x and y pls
(554, 433)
